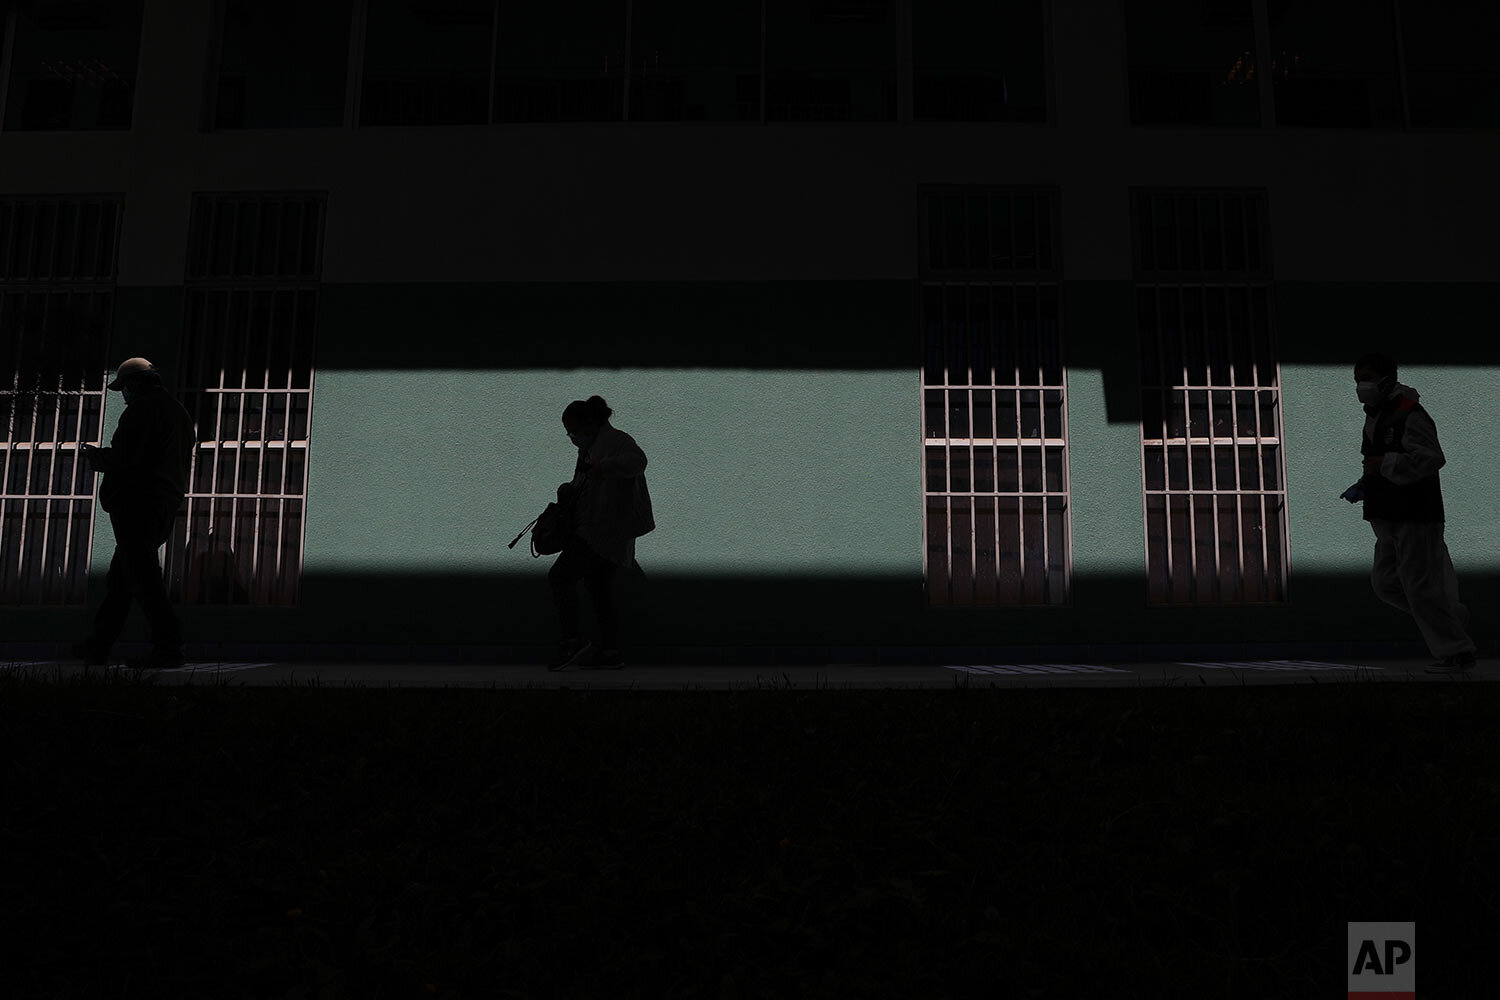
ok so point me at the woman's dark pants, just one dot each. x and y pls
(578, 561)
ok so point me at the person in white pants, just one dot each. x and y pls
(1404, 505)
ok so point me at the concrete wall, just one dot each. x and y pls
(745, 297)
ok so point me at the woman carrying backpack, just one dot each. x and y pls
(611, 508)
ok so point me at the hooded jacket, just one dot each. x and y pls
(1407, 487)
(149, 454)
(614, 509)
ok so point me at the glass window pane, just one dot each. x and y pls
(984, 418)
(1231, 584)
(1191, 62)
(73, 65)
(1205, 571)
(1453, 80)
(984, 470)
(962, 548)
(695, 61)
(560, 62)
(1179, 523)
(1333, 63)
(1008, 524)
(427, 62)
(1054, 470)
(283, 64)
(958, 413)
(1008, 469)
(958, 469)
(830, 60)
(1031, 470)
(1154, 459)
(1005, 414)
(937, 551)
(984, 549)
(978, 62)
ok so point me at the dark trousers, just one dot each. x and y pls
(135, 575)
(578, 561)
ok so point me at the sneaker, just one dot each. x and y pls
(89, 653)
(568, 653)
(605, 659)
(1456, 664)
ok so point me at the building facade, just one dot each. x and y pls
(940, 327)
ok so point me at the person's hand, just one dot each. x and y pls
(92, 456)
(1372, 464)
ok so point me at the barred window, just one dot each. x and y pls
(57, 277)
(1213, 467)
(247, 378)
(994, 413)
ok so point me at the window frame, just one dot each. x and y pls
(1035, 278)
(75, 585)
(1154, 279)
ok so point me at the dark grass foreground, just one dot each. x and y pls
(312, 842)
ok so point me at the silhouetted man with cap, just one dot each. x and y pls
(145, 479)
(1404, 505)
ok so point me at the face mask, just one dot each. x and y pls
(581, 440)
(1370, 393)
(127, 394)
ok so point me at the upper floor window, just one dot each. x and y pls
(1333, 63)
(1452, 78)
(830, 60)
(72, 64)
(694, 61)
(979, 62)
(427, 62)
(282, 63)
(560, 62)
(1192, 62)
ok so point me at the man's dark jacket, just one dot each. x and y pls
(1401, 433)
(151, 452)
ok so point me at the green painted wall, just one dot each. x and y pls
(787, 495)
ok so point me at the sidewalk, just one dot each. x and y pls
(850, 676)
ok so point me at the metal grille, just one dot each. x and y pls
(57, 278)
(1212, 462)
(247, 376)
(994, 400)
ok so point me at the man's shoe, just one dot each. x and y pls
(89, 653)
(1458, 663)
(568, 653)
(605, 659)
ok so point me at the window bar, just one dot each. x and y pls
(763, 115)
(994, 338)
(286, 433)
(947, 446)
(74, 250)
(1041, 451)
(7, 50)
(94, 268)
(629, 64)
(236, 509)
(1213, 438)
(1403, 85)
(969, 292)
(219, 331)
(1241, 487)
(1156, 292)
